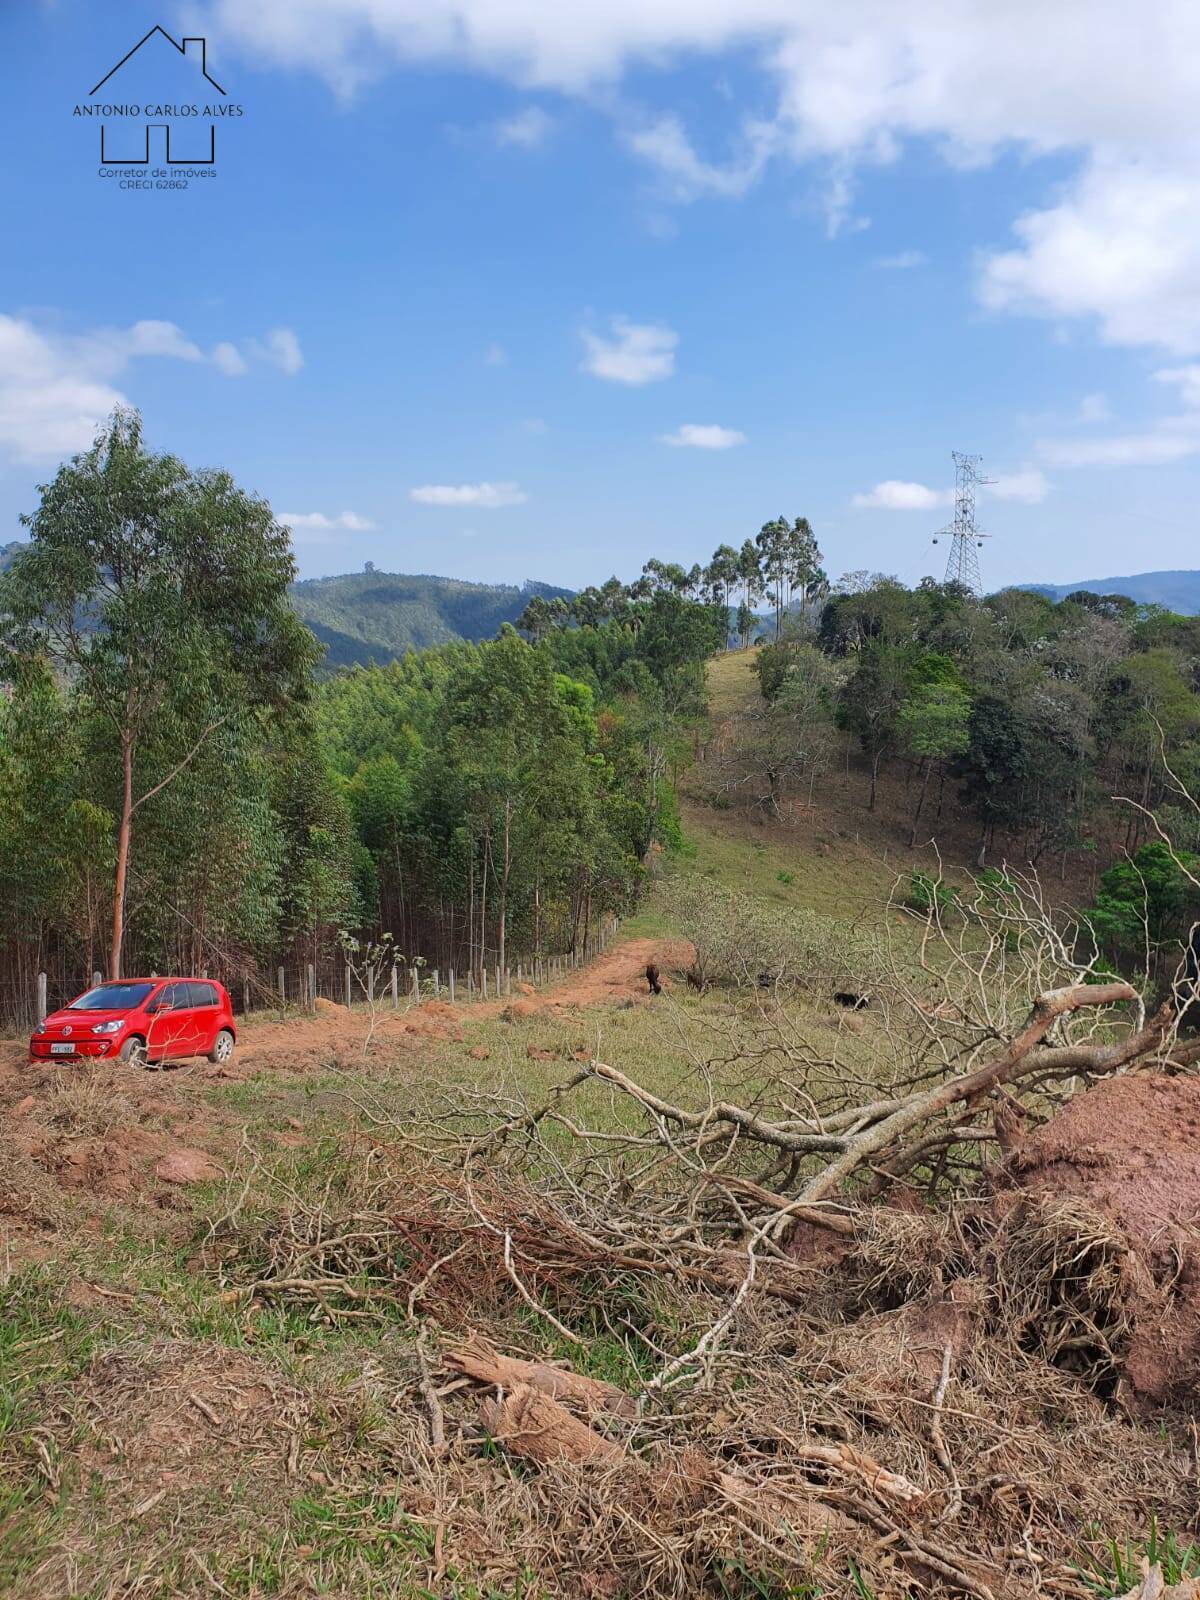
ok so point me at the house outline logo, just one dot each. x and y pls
(124, 151)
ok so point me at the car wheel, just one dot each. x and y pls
(133, 1053)
(222, 1047)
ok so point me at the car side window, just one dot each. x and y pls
(173, 998)
(202, 994)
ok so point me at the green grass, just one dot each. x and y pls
(1112, 1567)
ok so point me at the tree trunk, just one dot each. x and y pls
(122, 868)
(504, 881)
(912, 838)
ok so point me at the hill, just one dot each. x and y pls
(363, 616)
(1177, 591)
(377, 616)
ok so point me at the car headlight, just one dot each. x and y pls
(108, 1027)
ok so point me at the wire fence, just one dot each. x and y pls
(296, 986)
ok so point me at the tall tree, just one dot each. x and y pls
(162, 595)
(749, 571)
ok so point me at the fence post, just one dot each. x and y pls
(483, 980)
(282, 988)
(245, 995)
(499, 990)
(348, 995)
(395, 988)
(417, 985)
(204, 972)
(437, 986)
(41, 998)
(312, 987)
(97, 980)
(451, 985)
(508, 980)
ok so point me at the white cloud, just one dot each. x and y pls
(664, 143)
(318, 522)
(704, 436)
(638, 352)
(1030, 486)
(1185, 379)
(902, 261)
(1094, 408)
(51, 398)
(228, 359)
(56, 388)
(1155, 448)
(895, 494)
(487, 496)
(1123, 246)
(1171, 437)
(280, 348)
(526, 129)
(850, 85)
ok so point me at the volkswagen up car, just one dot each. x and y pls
(144, 1021)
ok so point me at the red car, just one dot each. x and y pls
(144, 1021)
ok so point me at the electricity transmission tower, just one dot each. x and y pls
(962, 565)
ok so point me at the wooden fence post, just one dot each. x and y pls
(451, 985)
(41, 998)
(97, 980)
(395, 987)
(499, 990)
(282, 988)
(245, 994)
(312, 987)
(348, 994)
(483, 980)
(416, 986)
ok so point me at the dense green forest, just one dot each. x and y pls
(180, 789)
(182, 785)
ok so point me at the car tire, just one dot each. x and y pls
(222, 1048)
(133, 1053)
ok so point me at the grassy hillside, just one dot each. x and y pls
(363, 616)
(1177, 591)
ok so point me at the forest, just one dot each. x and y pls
(182, 786)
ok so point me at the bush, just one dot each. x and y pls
(928, 895)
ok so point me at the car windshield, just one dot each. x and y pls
(112, 997)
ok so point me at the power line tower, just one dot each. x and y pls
(962, 565)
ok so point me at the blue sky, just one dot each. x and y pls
(501, 289)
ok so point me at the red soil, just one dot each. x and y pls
(1131, 1148)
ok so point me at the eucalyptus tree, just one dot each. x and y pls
(160, 595)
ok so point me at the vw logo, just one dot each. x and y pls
(66, 1030)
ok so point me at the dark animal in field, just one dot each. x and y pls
(852, 1002)
(695, 981)
(652, 978)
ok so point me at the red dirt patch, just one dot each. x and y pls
(1130, 1148)
(187, 1166)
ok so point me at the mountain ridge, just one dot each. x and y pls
(1176, 588)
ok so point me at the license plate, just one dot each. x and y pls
(62, 1049)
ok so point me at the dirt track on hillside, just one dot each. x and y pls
(619, 975)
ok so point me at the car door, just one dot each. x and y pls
(206, 1016)
(171, 1028)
